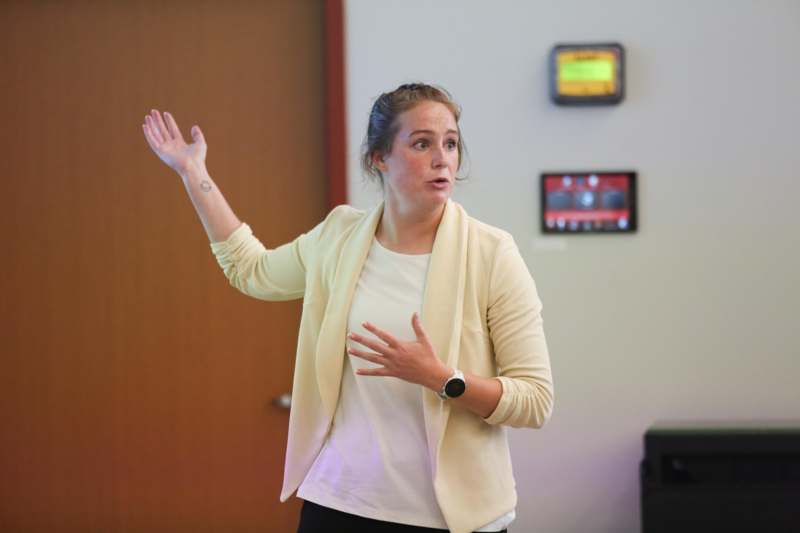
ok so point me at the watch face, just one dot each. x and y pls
(455, 388)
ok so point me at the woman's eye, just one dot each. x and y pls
(421, 144)
(452, 145)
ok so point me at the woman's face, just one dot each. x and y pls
(420, 170)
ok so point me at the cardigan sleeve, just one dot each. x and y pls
(515, 327)
(276, 274)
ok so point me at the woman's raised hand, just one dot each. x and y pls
(164, 137)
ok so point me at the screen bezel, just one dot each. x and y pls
(633, 221)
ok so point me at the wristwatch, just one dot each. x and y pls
(454, 386)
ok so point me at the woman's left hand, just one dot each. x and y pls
(412, 361)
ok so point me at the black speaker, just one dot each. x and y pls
(709, 477)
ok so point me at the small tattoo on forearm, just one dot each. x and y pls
(205, 186)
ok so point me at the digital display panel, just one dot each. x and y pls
(588, 202)
(587, 73)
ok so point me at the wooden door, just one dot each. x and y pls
(136, 384)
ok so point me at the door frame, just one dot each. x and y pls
(335, 111)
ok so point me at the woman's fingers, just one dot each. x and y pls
(148, 135)
(162, 128)
(153, 128)
(383, 335)
(369, 343)
(371, 357)
(173, 128)
(374, 372)
(416, 323)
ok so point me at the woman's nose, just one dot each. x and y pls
(438, 158)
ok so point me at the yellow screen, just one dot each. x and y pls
(587, 73)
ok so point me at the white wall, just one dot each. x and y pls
(693, 317)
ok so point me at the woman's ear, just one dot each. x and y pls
(378, 162)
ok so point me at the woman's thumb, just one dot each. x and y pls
(197, 135)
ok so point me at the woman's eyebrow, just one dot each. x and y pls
(431, 132)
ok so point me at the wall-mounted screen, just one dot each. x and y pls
(582, 74)
(588, 202)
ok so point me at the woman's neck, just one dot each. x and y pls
(408, 232)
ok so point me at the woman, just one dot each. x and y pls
(436, 311)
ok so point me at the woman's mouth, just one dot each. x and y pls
(440, 183)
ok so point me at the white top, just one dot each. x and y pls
(375, 461)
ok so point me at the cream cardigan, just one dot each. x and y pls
(481, 311)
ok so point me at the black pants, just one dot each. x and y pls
(318, 519)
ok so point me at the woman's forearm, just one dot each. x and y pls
(216, 215)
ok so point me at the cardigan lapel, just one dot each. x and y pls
(332, 336)
(443, 309)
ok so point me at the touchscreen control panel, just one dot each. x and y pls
(588, 202)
